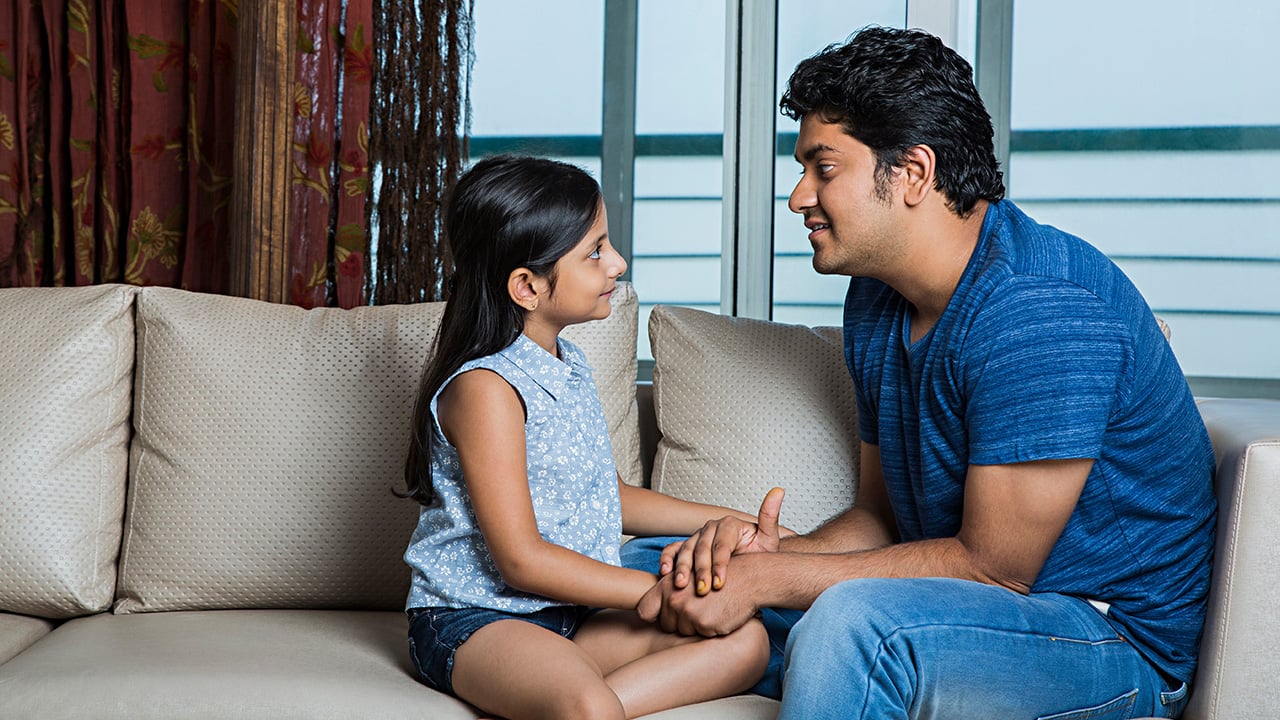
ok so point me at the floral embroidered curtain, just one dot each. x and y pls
(110, 151)
(117, 144)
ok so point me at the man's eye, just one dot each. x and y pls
(824, 168)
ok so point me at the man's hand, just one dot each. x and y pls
(680, 610)
(704, 556)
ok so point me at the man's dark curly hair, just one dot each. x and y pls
(894, 89)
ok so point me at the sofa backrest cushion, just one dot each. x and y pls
(268, 440)
(67, 364)
(745, 405)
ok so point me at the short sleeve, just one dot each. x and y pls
(1045, 364)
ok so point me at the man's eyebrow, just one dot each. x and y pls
(813, 151)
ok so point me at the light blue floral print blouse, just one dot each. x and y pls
(572, 480)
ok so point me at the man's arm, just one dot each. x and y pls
(1012, 518)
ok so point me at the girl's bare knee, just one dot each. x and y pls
(597, 702)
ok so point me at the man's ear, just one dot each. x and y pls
(916, 174)
(525, 288)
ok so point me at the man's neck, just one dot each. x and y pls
(940, 251)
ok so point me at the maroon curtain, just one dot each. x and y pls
(328, 235)
(116, 144)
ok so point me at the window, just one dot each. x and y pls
(1146, 127)
(1154, 141)
(536, 81)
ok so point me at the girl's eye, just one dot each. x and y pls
(595, 254)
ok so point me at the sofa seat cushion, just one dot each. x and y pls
(743, 405)
(17, 632)
(67, 368)
(247, 664)
(276, 664)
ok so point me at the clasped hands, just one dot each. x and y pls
(692, 595)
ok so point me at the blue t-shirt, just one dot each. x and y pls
(572, 481)
(1047, 351)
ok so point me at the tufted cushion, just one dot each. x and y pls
(744, 405)
(66, 363)
(268, 441)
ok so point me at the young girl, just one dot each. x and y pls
(522, 507)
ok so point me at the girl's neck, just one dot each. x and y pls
(546, 337)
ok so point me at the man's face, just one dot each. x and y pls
(852, 224)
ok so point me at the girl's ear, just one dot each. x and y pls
(525, 288)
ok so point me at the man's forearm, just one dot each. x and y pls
(850, 531)
(796, 579)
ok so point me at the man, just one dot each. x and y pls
(1034, 521)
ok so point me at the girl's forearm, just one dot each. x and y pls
(645, 512)
(561, 574)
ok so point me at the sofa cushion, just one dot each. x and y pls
(268, 442)
(745, 405)
(67, 364)
(17, 632)
(279, 664)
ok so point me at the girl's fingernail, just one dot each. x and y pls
(717, 582)
(702, 587)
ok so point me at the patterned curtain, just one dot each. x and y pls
(330, 168)
(117, 144)
(114, 154)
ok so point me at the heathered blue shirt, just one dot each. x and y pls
(1047, 351)
(572, 481)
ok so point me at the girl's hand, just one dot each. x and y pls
(704, 556)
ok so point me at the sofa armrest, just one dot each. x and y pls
(1238, 663)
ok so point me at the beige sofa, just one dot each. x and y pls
(197, 517)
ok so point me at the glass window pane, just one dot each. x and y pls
(1148, 136)
(800, 295)
(676, 228)
(537, 68)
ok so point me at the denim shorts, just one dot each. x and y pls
(435, 634)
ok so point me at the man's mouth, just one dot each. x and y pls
(816, 227)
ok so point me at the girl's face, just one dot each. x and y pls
(585, 277)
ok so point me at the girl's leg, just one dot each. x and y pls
(519, 670)
(651, 670)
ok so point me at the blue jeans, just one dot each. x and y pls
(941, 648)
(435, 634)
(935, 648)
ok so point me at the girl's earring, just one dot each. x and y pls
(534, 306)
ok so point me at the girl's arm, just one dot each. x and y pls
(483, 417)
(645, 512)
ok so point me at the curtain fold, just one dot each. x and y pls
(136, 146)
(422, 69)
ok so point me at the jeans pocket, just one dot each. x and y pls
(1174, 701)
(1119, 709)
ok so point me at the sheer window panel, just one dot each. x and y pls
(1154, 147)
(676, 215)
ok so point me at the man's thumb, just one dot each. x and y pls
(770, 509)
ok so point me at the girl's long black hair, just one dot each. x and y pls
(506, 212)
